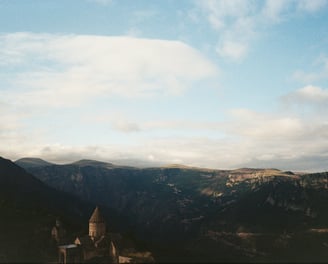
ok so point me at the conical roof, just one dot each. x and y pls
(96, 216)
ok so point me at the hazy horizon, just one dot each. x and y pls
(215, 84)
(138, 163)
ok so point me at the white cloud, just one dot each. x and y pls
(120, 122)
(275, 10)
(309, 95)
(182, 125)
(282, 139)
(285, 140)
(311, 5)
(61, 70)
(234, 22)
(124, 126)
(221, 11)
(233, 50)
(312, 93)
(240, 21)
(46, 73)
(262, 127)
(250, 138)
(310, 77)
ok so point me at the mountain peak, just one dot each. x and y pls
(87, 162)
(32, 162)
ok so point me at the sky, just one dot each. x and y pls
(209, 83)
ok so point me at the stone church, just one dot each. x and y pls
(98, 246)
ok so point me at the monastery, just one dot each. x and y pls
(96, 247)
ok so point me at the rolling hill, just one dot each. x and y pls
(32, 162)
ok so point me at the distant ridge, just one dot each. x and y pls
(32, 162)
(178, 166)
(187, 167)
(101, 164)
(87, 162)
(127, 163)
(137, 163)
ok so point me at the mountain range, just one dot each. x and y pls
(198, 215)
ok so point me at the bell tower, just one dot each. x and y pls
(97, 225)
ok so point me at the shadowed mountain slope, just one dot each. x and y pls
(195, 214)
(28, 211)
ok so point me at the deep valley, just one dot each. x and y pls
(190, 214)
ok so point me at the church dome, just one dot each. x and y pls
(96, 217)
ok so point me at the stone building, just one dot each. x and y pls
(69, 254)
(97, 246)
(97, 225)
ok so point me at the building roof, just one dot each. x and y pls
(96, 217)
(68, 246)
(87, 243)
(84, 241)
